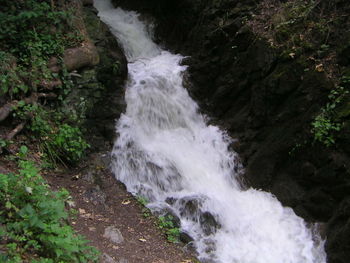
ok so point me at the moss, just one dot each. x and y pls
(344, 110)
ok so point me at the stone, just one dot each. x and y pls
(208, 223)
(185, 237)
(113, 234)
(96, 195)
(84, 56)
(88, 2)
(105, 258)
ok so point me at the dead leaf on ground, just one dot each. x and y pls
(82, 211)
(126, 202)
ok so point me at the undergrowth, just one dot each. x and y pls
(172, 232)
(33, 218)
(327, 123)
(34, 221)
(31, 33)
(165, 223)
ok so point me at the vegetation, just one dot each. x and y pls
(326, 123)
(33, 218)
(143, 202)
(27, 44)
(166, 223)
(33, 221)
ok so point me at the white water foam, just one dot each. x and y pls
(167, 153)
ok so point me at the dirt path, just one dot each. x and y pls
(103, 203)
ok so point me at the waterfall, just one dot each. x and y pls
(167, 153)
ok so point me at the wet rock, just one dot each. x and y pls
(88, 2)
(338, 232)
(113, 234)
(190, 248)
(111, 74)
(209, 223)
(100, 69)
(190, 207)
(185, 237)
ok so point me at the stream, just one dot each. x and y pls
(167, 153)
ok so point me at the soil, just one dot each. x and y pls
(101, 202)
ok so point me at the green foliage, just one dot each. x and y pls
(3, 143)
(30, 33)
(70, 140)
(59, 139)
(143, 201)
(167, 223)
(323, 128)
(33, 220)
(325, 124)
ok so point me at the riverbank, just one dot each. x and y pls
(57, 129)
(112, 219)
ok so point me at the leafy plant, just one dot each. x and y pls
(167, 223)
(59, 140)
(69, 141)
(27, 42)
(33, 219)
(325, 124)
(323, 128)
(146, 212)
(142, 200)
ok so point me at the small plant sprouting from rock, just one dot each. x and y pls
(167, 224)
(326, 123)
(143, 201)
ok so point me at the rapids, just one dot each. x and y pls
(167, 153)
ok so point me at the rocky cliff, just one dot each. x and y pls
(275, 75)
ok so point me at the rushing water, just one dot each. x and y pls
(167, 153)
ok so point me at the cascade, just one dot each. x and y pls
(167, 153)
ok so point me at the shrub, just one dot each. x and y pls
(33, 219)
(173, 232)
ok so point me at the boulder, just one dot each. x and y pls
(84, 56)
(113, 234)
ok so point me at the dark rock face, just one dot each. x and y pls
(99, 93)
(111, 72)
(268, 101)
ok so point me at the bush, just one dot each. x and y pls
(171, 230)
(33, 220)
(59, 140)
(326, 124)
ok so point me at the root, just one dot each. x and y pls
(33, 99)
(15, 131)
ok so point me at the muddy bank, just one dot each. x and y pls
(112, 219)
